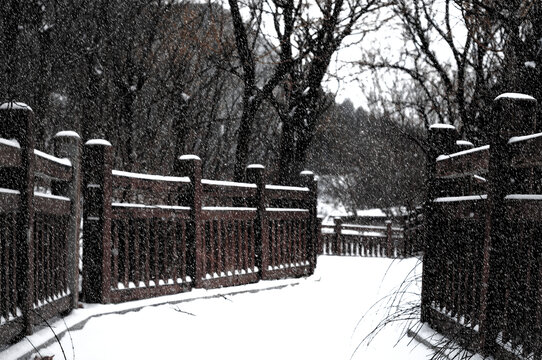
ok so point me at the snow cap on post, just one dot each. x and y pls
(442, 139)
(255, 174)
(461, 145)
(67, 133)
(514, 114)
(14, 105)
(189, 157)
(99, 142)
(188, 165)
(16, 120)
(67, 145)
(306, 178)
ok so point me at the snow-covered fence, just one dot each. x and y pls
(482, 275)
(389, 240)
(39, 224)
(148, 235)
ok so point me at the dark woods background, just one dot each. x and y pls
(159, 79)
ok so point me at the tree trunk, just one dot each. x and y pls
(243, 139)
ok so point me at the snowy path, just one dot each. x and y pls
(314, 320)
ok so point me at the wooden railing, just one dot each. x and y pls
(389, 240)
(483, 259)
(144, 235)
(151, 235)
(39, 227)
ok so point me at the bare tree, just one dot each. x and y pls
(305, 38)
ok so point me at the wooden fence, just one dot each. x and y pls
(144, 235)
(482, 269)
(389, 239)
(39, 213)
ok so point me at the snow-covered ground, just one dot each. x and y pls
(325, 316)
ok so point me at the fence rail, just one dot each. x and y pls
(482, 264)
(388, 240)
(144, 235)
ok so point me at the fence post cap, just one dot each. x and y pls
(67, 133)
(464, 144)
(517, 96)
(255, 166)
(14, 105)
(94, 142)
(189, 157)
(441, 126)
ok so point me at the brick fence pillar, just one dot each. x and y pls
(308, 179)
(190, 166)
(68, 145)
(16, 123)
(441, 140)
(97, 188)
(255, 173)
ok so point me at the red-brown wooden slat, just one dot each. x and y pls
(41, 270)
(52, 251)
(126, 261)
(174, 252)
(233, 244)
(13, 260)
(272, 243)
(184, 251)
(245, 245)
(304, 241)
(213, 250)
(156, 251)
(115, 254)
(239, 246)
(277, 247)
(252, 253)
(284, 243)
(4, 289)
(57, 263)
(296, 241)
(147, 252)
(219, 248)
(289, 243)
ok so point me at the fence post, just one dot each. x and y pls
(255, 173)
(513, 115)
(389, 244)
(68, 145)
(308, 179)
(97, 191)
(441, 140)
(16, 123)
(190, 166)
(336, 248)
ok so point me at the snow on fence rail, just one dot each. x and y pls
(144, 235)
(39, 227)
(482, 264)
(389, 240)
